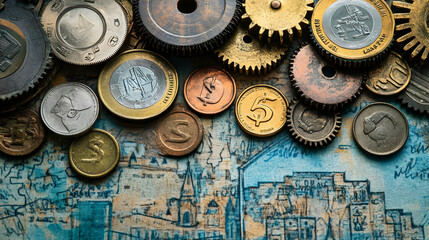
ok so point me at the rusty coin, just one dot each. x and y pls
(21, 133)
(209, 90)
(179, 133)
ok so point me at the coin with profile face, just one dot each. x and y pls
(69, 109)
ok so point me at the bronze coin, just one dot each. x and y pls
(179, 133)
(209, 90)
(21, 133)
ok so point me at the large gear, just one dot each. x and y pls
(246, 55)
(413, 26)
(277, 19)
(415, 96)
(186, 27)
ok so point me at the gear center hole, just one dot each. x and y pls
(247, 39)
(329, 72)
(187, 6)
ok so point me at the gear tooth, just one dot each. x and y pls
(245, 16)
(252, 25)
(305, 21)
(402, 5)
(411, 44)
(398, 16)
(403, 26)
(405, 37)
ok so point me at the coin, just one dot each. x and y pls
(416, 95)
(69, 109)
(179, 133)
(95, 154)
(380, 129)
(209, 90)
(261, 110)
(389, 77)
(21, 132)
(138, 84)
(85, 32)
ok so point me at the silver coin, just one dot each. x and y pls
(85, 32)
(352, 24)
(69, 109)
(138, 84)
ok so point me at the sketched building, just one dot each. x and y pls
(187, 213)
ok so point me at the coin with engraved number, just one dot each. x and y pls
(416, 95)
(261, 110)
(380, 129)
(179, 133)
(138, 84)
(21, 132)
(95, 154)
(209, 90)
(389, 77)
(85, 32)
(69, 109)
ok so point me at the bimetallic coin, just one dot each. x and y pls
(95, 154)
(380, 129)
(209, 90)
(21, 133)
(85, 32)
(69, 109)
(261, 110)
(138, 84)
(416, 95)
(179, 133)
(390, 77)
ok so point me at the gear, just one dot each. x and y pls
(25, 52)
(352, 33)
(415, 95)
(186, 27)
(246, 55)
(310, 126)
(413, 27)
(277, 19)
(321, 84)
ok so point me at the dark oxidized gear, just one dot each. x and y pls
(352, 33)
(186, 27)
(416, 95)
(24, 51)
(321, 84)
(310, 126)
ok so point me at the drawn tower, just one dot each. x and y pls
(187, 203)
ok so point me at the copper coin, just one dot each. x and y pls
(210, 90)
(179, 133)
(21, 133)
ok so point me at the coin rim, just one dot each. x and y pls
(185, 91)
(105, 173)
(394, 150)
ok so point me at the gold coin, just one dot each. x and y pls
(390, 77)
(95, 154)
(138, 84)
(261, 110)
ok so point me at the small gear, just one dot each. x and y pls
(321, 84)
(415, 96)
(277, 19)
(246, 55)
(413, 26)
(352, 33)
(186, 27)
(310, 126)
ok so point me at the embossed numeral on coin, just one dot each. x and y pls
(95, 145)
(397, 77)
(176, 135)
(259, 105)
(211, 91)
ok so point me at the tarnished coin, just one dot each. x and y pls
(69, 109)
(85, 32)
(261, 110)
(179, 133)
(390, 77)
(380, 129)
(416, 95)
(95, 154)
(209, 90)
(21, 132)
(138, 84)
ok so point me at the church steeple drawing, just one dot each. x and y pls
(187, 214)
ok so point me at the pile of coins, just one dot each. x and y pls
(348, 45)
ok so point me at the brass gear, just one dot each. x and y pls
(277, 19)
(246, 55)
(413, 26)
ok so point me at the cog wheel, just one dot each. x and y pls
(352, 33)
(277, 19)
(321, 84)
(414, 97)
(186, 27)
(312, 127)
(413, 27)
(26, 53)
(248, 56)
